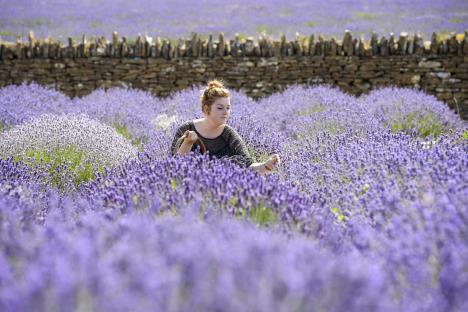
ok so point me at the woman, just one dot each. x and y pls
(213, 134)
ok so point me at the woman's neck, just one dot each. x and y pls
(211, 126)
(207, 128)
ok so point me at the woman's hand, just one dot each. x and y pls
(190, 136)
(272, 162)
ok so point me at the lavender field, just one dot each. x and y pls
(176, 19)
(367, 211)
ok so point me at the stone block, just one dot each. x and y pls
(429, 64)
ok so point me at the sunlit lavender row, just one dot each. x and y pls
(177, 19)
(367, 211)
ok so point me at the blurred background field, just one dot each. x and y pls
(176, 19)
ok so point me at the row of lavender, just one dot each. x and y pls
(145, 46)
(367, 211)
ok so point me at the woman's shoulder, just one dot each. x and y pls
(187, 125)
(197, 121)
(230, 133)
(230, 129)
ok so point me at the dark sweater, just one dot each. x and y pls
(228, 145)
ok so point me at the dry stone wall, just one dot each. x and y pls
(259, 68)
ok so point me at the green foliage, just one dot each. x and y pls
(285, 11)
(62, 165)
(456, 20)
(123, 130)
(311, 110)
(260, 215)
(465, 135)
(257, 155)
(95, 24)
(366, 16)
(340, 216)
(233, 201)
(315, 159)
(345, 180)
(174, 184)
(422, 125)
(135, 199)
(263, 215)
(7, 33)
(330, 126)
(311, 24)
(36, 22)
(364, 189)
(264, 29)
(2, 126)
(319, 126)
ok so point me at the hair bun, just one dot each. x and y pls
(214, 89)
(215, 84)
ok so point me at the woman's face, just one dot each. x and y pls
(220, 110)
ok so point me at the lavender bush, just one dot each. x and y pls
(413, 112)
(47, 132)
(67, 146)
(367, 211)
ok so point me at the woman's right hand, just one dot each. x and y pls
(190, 136)
(272, 162)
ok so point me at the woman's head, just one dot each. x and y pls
(214, 92)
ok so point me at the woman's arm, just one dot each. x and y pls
(239, 148)
(259, 167)
(266, 166)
